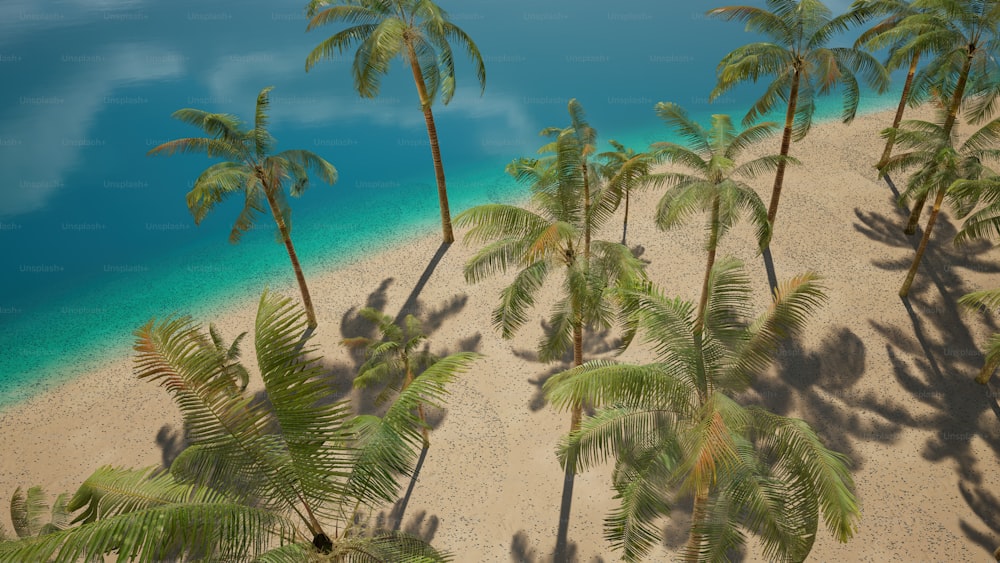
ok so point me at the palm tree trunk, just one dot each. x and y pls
(577, 361)
(625, 223)
(425, 104)
(905, 290)
(696, 539)
(903, 99)
(586, 213)
(713, 243)
(287, 239)
(786, 143)
(949, 123)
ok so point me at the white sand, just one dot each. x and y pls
(921, 433)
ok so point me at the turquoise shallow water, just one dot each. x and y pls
(95, 238)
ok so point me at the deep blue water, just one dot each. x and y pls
(95, 237)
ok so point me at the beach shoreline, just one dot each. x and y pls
(491, 485)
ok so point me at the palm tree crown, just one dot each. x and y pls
(963, 36)
(716, 182)
(674, 429)
(266, 480)
(420, 32)
(945, 168)
(802, 65)
(249, 168)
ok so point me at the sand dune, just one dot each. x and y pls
(889, 385)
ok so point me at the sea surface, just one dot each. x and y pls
(96, 238)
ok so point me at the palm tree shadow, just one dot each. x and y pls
(521, 551)
(943, 358)
(420, 524)
(819, 387)
(892, 186)
(171, 443)
(639, 251)
(596, 344)
(772, 276)
(410, 306)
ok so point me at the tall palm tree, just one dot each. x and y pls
(395, 360)
(567, 205)
(263, 480)
(944, 168)
(962, 36)
(625, 171)
(881, 35)
(716, 182)
(250, 169)
(804, 67)
(674, 428)
(420, 32)
(554, 235)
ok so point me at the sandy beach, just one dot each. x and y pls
(887, 383)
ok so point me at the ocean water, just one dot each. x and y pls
(95, 237)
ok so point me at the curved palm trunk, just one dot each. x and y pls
(903, 99)
(713, 243)
(287, 239)
(949, 123)
(696, 539)
(625, 223)
(577, 361)
(786, 143)
(905, 290)
(425, 104)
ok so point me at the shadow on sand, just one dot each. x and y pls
(933, 358)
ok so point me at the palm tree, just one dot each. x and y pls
(716, 183)
(395, 360)
(944, 168)
(984, 223)
(962, 35)
(249, 168)
(986, 300)
(882, 34)
(276, 478)
(418, 31)
(802, 64)
(556, 235)
(32, 516)
(674, 428)
(625, 171)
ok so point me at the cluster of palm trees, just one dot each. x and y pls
(288, 475)
(271, 477)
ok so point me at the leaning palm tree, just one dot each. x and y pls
(943, 168)
(804, 67)
(275, 479)
(716, 182)
(625, 172)
(419, 31)
(674, 429)
(984, 223)
(249, 169)
(882, 34)
(986, 300)
(395, 360)
(962, 37)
